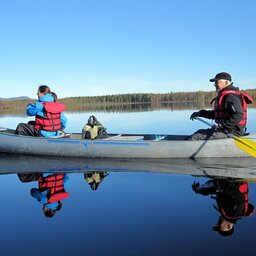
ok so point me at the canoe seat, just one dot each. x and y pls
(130, 138)
(113, 137)
(62, 135)
(124, 137)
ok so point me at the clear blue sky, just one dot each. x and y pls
(97, 47)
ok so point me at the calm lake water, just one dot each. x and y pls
(146, 211)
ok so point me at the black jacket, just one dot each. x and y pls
(233, 105)
(230, 201)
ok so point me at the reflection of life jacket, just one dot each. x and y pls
(55, 186)
(219, 109)
(51, 120)
(247, 208)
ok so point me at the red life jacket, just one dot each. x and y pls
(219, 110)
(55, 186)
(248, 208)
(51, 120)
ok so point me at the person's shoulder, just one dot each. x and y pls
(47, 98)
(233, 93)
(234, 96)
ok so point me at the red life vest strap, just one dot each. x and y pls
(249, 208)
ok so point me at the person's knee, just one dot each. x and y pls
(19, 128)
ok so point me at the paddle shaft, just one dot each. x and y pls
(207, 123)
(203, 121)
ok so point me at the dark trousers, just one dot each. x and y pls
(27, 130)
(207, 134)
(29, 176)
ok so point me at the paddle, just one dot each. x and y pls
(246, 145)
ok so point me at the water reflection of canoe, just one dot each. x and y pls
(213, 167)
(121, 146)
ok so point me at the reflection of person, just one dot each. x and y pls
(230, 111)
(50, 118)
(51, 190)
(94, 178)
(232, 202)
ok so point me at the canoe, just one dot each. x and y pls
(123, 146)
(236, 168)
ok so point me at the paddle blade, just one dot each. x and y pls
(246, 145)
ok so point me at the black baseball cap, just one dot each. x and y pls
(223, 233)
(222, 75)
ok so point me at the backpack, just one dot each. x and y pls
(93, 129)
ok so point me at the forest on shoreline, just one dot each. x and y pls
(126, 102)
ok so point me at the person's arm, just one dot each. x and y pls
(33, 109)
(66, 181)
(39, 196)
(63, 120)
(209, 114)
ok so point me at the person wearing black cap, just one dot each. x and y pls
(229, 113)
(232, 202)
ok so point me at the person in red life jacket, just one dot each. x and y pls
(229, 113)
(51, 190)
(232, 198)
(50, 117)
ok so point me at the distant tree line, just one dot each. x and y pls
(179, 97)
(127, 102)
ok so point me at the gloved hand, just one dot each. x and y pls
(204, 189)
(196, 187)
(194, 115)
(218, 128)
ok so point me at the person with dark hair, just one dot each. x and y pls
(51, 190)
(50, 212)
(49, 114)
(55, 97)
(229, 113)
(232, 198)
